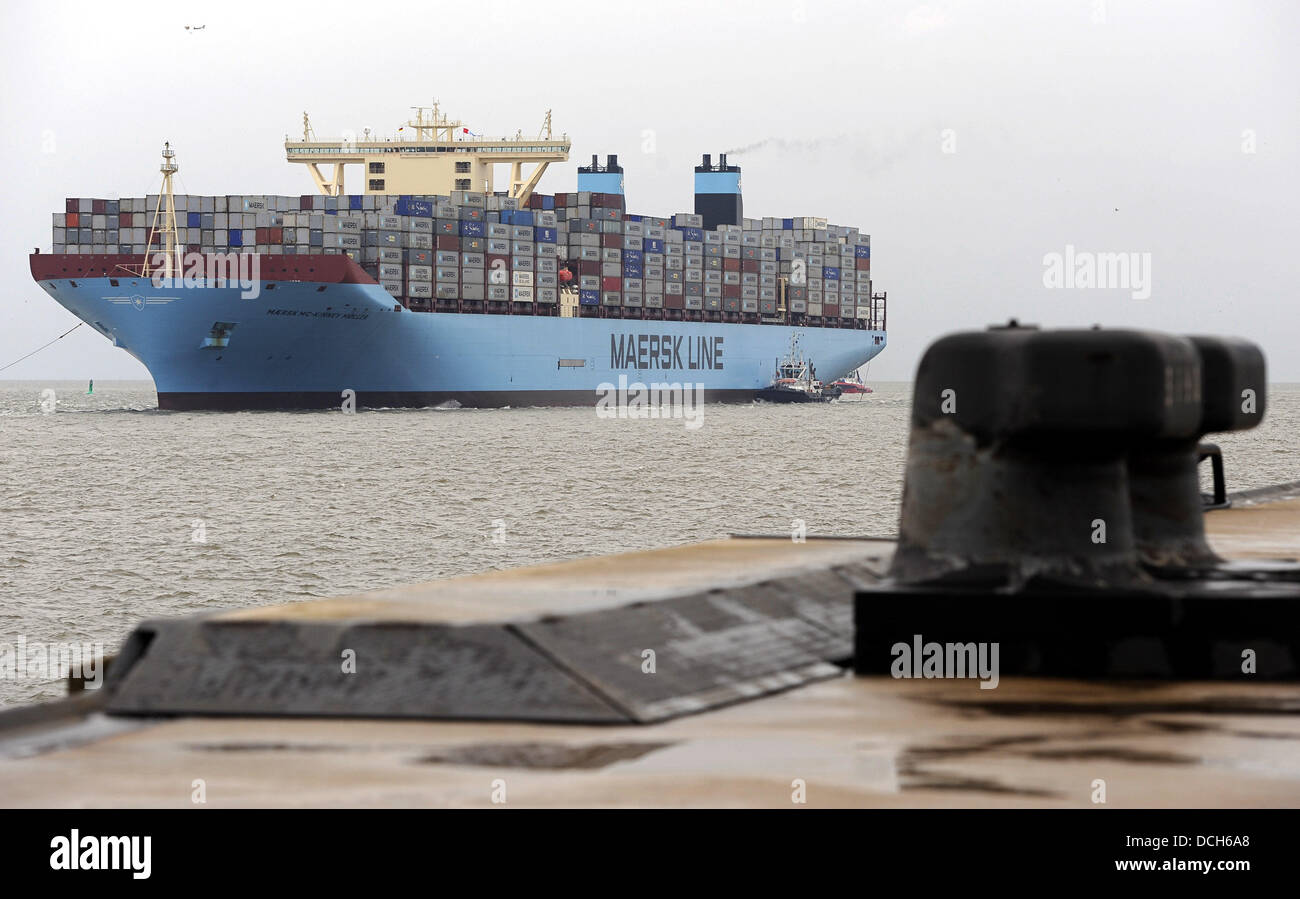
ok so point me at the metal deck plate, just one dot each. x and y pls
(205, 667)
(711, 648)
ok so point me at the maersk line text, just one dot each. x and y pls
(665, 352)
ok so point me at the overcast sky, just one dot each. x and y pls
(970, 139)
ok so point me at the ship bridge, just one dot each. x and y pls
(431, 154)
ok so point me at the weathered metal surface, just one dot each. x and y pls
(214, 667)
(777, 626)
(1024, 442)
(708, 650)
(1164, 483)
(1060, 519)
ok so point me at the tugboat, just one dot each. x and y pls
(851, 385)
(795, 380)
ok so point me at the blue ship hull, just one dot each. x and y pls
(302, 344)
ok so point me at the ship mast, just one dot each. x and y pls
(164, 220)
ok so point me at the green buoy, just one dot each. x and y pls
(91, 388)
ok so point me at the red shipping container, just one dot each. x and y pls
(615, 284)
(277, 235)
(611, 241)
(674, 301)
(124, 220)
(749, 265)
(448, 242)
(830, 310)
(731, 291)
(304, 202)
(261, 234)
(731, 265)
(72, 218)
(864, 265)
(589, 267)
(99, 207)
(70, 205)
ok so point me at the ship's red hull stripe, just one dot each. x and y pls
(271, 267)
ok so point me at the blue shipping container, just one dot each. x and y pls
(694, 235)
(420, 208)
(473, 229)
(544, 235)
(633, 256)
(653, 246)
(589, 297)
(194, 220)
(830, 274)
(236, 237)
(548, 202)
(522, 217)
(862, 252)
(354, 201)
(632, 270)
(787, 224)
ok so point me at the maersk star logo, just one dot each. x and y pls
(139, 301)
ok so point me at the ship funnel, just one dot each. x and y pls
(601, 179)
(1064, 453)
(717, 193)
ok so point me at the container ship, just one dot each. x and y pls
(433, 287)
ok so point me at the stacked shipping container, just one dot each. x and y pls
(476, 252)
